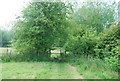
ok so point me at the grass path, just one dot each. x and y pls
(75, 73)
(39, 70)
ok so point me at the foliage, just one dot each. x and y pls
(39, 27)
(23, 57)
(5, 38)
(107, 47)
(81, 40)
(96, 15)
(88, 34)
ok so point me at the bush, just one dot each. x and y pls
(112, 61)
(81, 41)
(107, 47)
(23, 57)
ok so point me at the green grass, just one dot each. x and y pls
(37, 70)
(55, 69)
(0, 70)
(55, 55)
(93, 68)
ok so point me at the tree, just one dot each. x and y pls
(5, 38)
(39, 27)
(86, 22)
(96, 15)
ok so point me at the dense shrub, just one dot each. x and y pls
(107, 47)
(81, 41)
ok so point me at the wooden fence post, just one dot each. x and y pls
(7, 50)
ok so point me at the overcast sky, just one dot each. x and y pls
(9, 9)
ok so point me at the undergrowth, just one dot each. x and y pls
(93, 68)
(22, 58)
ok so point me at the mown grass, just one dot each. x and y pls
(93, 68)
(36, 70)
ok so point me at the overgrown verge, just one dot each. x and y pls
(104, 45)
(95, 55)
(30, 57)
(23, 58)
(92, 68)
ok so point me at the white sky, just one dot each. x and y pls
(9, 9)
